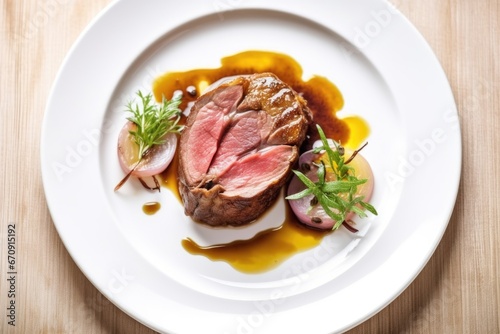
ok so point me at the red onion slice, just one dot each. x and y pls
(156, 161)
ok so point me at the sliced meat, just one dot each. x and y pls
(237, 150)
(205, 130)
(246, 132)
(255, 172)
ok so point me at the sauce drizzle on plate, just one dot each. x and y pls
(150, 208)
(264, 251)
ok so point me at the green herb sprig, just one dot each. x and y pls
(153, 121)
(338, 198)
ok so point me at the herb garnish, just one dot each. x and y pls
(153, 122)
(338, 197)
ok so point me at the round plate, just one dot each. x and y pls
(387, 75)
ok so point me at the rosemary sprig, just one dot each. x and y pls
(153, 121)
(337, 198)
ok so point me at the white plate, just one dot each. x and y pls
(387, 74)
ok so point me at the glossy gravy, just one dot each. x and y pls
(150, 208)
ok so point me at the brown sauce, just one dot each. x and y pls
(150, 208)
(265, 251)
(269, 248)
(170, 176)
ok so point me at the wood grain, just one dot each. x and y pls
(458, 291)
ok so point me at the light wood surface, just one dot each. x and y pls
(458, 291)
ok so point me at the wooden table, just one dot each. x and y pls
(458, 291)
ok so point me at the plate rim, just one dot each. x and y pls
(117, 301)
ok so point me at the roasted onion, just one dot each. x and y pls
(307, 210)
